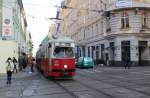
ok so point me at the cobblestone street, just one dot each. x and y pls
(100, 82)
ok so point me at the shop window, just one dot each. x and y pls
(125, 49)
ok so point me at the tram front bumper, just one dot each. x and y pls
(62, 73)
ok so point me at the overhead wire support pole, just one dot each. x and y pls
(56, 18)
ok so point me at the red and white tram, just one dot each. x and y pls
(55, 57)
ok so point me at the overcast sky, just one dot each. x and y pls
(37, 14)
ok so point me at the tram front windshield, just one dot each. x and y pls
(63, 52)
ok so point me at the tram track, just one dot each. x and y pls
(67, 90)
(72, 93)
(97, 90)
(61, 86)
(93, 78)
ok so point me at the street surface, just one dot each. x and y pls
(100, 82)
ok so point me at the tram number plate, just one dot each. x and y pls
(65, 73)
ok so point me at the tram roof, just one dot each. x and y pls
(61, 39)
(48, 39)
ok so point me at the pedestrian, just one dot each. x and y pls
(34, 63)
(24, 62)
(126, 61)
(20, 61)
(30, 63)
(9, 70)
(15, 69)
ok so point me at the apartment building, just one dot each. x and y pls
(109, 30)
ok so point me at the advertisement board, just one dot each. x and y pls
(123, 3)
(7, 28)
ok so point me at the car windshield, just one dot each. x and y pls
(87, 59)
(63, 52)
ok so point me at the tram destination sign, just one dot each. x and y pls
(63, 44)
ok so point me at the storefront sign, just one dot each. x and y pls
(123, 3)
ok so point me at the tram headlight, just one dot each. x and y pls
(65, 66)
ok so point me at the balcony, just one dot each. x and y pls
(145, 29)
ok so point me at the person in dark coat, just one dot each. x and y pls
(15, 69)
(20, 63)
(126, 61)
(24, 62)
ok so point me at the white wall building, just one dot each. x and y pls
(109, 30)
(12, 30)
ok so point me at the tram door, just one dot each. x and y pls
(125, 47)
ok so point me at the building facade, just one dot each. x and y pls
(12, 30)
(110, 31)
(29, 44)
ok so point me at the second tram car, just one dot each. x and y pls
(55, 57)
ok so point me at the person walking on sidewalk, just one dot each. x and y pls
(9, 69)
(15, 69)
(30, 62)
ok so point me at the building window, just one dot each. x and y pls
(97, 52)
(89, 32)
(97, 29)
(102, 51)
(108, 26)
(124, 21)
(101, 27)
(144, 20)
(92, 31)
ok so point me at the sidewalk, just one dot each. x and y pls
(20, 81)
(16, 77)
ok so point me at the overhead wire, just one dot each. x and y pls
(31, 4)
(29, 15)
